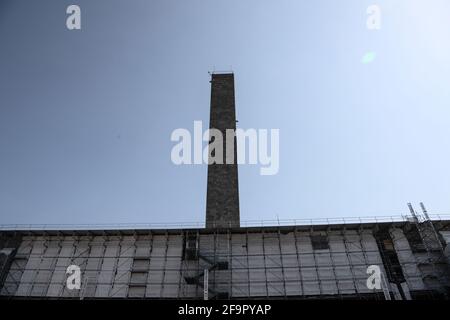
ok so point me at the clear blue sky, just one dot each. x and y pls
(86, 116)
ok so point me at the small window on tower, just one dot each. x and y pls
(319, 242)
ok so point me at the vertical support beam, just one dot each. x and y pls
(8, 249)
(180, 292)
(282, 264)
(265, 263)
(248, 262)
(333, 264)
(205, 284)
(230, 262)
(352, 270)
(297, 249)
(316, 267)
(150, 255)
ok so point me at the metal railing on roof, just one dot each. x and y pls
(196, 225)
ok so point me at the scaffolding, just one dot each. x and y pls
(434, 259)
(305, 262)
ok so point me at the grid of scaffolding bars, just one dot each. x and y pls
(255, 262)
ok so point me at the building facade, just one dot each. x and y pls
(303, 261)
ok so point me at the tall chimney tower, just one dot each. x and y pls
(222, 197)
